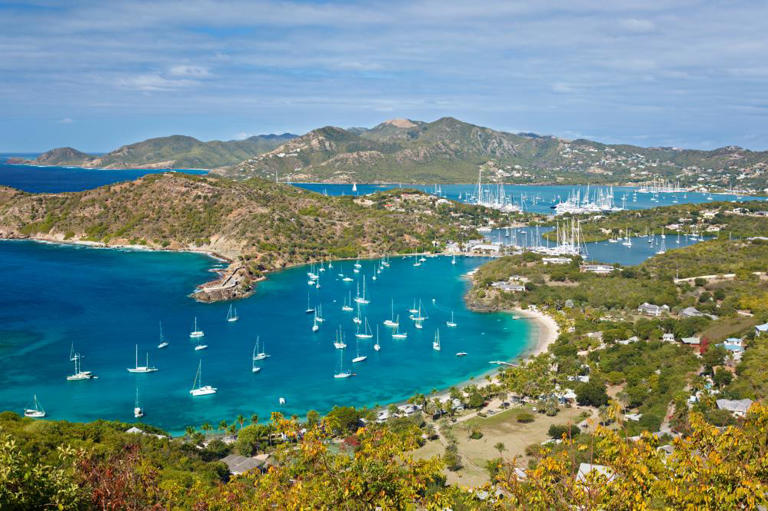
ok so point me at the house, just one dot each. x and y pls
(556, 260)
(738, 407)
(633, 416)
(692, 341)
(632, 339)
(586, 468)
(508, 287)
(137, 431)
(733, 344)
(650, 309)
(668, 337)
(761, 329)
(600, 269)
(240, 464)
(691, 312)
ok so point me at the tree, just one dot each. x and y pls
(569, 430)
(313, 418)
(240, 420)
(714, 356)
(499, 446)
(591, 394)
(254, 419)
(722, 377)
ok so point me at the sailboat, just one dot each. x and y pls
(361, 299)
(678, 237)
(358, 356)
(36, 412)
(138, 411)
(339, 343)
(315, 326)
(397, 334)
(461, 354)
(418, 318)
(377, 346)
(391, 322)
(259, 354)
(232, 315)
(163, 342)
(354, 187)
(195, 333)
(319, 314)
(357, 319)
(309, 309)
(198, 389)
(254, 367)
(200, 347)
(436, 342)
(357, 263)
(451, 323)
(72, 354)
(453, 259)
(79, 374)
(347, 307)
(662, 246)
(413, 310)
(627, 240)
(366, 333)
(146, 368)
(342, 373)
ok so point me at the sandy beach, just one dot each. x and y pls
(546, 330)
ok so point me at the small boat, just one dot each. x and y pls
(138, 411)
(309, 309)
(413, 310)
(366, 333)
(391, 322)
(354, 187)
(201, 347)
(195, 333)
(36, 412)
(259, 353)
(342, 373)
(146, 368)
(198, 389)
(315, 326)
(377, 346)
(163, 342)
(281, 401)
(358, 356)
(397, 334)
(347, 279)
(232, 314)
(436, 342)
(357, 264)
(461, 354)
(453, 259)
(361, 299)
(627, 240)
(451, 323)
(79, 374)
(254, 367)
(347, 307)
(319, 314)
(339, 343)
(357, 319)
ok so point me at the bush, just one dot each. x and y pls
(525, 417)
(475, 434)
(591, 394)
(558, 430)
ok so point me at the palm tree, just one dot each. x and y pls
(223, 425)
(232, 429)
(206, 427)
(189, 431)
(240, 420)
(254, 418)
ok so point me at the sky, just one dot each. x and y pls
(95, 75)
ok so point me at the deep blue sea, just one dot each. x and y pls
(107, 301)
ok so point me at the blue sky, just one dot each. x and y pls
(95, 75)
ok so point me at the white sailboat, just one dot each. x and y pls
(366, 333)
(358, 356)
(342, 373)
(377, 346)
(309, 309)
(361, 299)
(339, 343)
(319, 314)
(196, 333)
(198, 389)
(259, 353)
(391, 322)
(453, 259)
(138, 411)
(397, 334)
(357, 319)
(72, 354)
(36, 412)
(315, 326)
(678, 237)
(413, 310)
(354, 187)
(662, 246)
(451, 323)
(146, 368)
(163, 342)
(436, 342)
(232, 314)
(79, 374)
(627, 240)
(200, 347)
(347, 307)
(254, 367)
(461, 354)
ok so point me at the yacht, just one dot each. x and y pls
(436, 342)
(163, 342)
(254, 367)
(195, 333)
(200, 347)
(259, 353)
(309, 309)
(397, 334)
(339, 343)
(461, 354)
(79, 374)
(146, 368)
(366, 333)
(347, 307)
(377, 346)
(36, 412)
(315, 326)
(451, 323)
(391, 322)
(358, 356)
(361, 299)
(198, 389)
(138, 411)
(232, 315)
(627, 240)
(342, 373)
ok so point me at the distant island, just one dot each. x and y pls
(443, 151)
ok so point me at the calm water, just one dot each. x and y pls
(106, 301)
(67, 179)
(534, 198)
(603, 251)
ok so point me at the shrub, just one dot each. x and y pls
(525, 417)
(558, 430)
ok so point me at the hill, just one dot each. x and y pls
(451, 151)
(258, 225)
(176, 152)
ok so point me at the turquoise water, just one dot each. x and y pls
(106, 301)
(536, 198)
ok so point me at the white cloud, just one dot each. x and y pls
(154, 83)
(637, 26)
(191, 71)
(65, 120)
